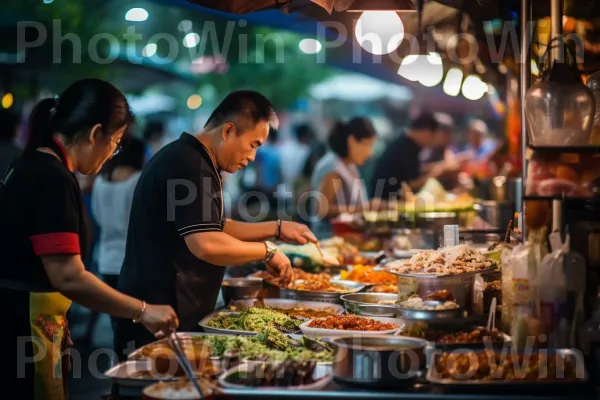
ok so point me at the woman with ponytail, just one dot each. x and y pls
(336, 182)
(44, 236)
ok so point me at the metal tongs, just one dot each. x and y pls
(175, 344)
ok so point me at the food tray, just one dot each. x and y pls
(137, 353)
(429, 315)
(434, 377)
(318, 332)
(121, 374)
(357, 303)
(323, 297)
(434, 276)
(289, 304)
(231, 332)
(459, 346)
(321, 372)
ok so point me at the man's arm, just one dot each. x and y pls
(250, 232)
(289, 231)
(220, 248)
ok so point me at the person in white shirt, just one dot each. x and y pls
(112, 195)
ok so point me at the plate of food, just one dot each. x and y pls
(328, 291)
(488, 368)
(368, 275)
(249, 321)
(288, 375)
(292, 308)
(455, 260)
(179, 390)
(448, 337)
(416, 308)
(351, 324)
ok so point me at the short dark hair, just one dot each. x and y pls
(425, 121)
(9, 121)
(132, 155)
(304, 131)
(244, 106)
(81, 106)
(360, 128)
(153, 130)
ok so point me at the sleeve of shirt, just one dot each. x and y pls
(56, 225)
(195, 205)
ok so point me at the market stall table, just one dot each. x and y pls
(418, 392)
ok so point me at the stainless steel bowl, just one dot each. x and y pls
(429, 315)
(461, 286)
(377, 360)
(241, 288)
(326, 297)
(368, 304)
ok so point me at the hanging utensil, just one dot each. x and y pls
(175, 344)
(491, 324)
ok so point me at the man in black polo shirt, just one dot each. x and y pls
(178, 241)
(400, 162)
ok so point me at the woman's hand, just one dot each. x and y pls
(297, 233)
(159, 320)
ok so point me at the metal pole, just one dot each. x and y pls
(558, 55)
(523, 86)
(556, 16)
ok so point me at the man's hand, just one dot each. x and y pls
(296, 233)
(280, 268)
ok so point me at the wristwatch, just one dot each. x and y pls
(271, 249)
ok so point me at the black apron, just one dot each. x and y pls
(197, 292)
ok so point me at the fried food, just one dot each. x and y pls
(491, 365)
(351, 323)
(368, 275)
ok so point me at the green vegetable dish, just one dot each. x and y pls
(269, 345)
(253, 319)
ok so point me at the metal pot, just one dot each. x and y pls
(241, 288)
(367, 304)
(376, 360)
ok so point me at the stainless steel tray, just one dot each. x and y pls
(434, 377)
(288, 304)
(433, 276)
(231, 332)
(429, 315)
(367, 304)
(460, 328)
(123, 373)
(184, 336)
(323, 297)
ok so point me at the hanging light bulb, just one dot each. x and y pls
(432, 71)
(409, 68)
(473, 88)
(379, 32)
(453, 82)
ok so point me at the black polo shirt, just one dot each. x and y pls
(41, 213)
(178, 193)
(399, 163)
